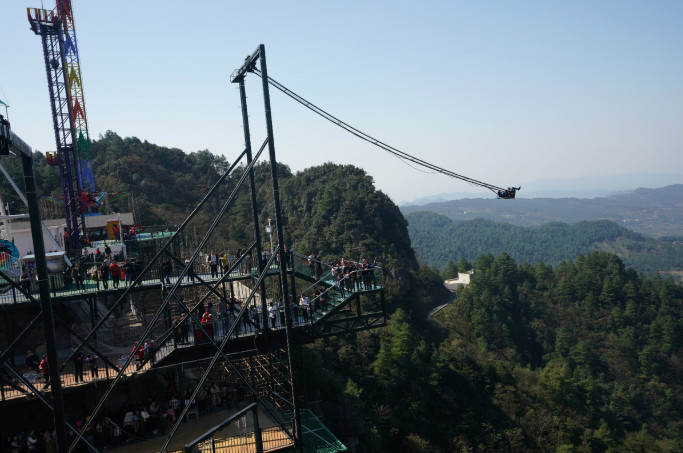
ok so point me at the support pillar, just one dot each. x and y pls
(254, 206)
(298, 433)
(45, 303)
(258, 440)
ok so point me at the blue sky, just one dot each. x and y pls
(504, 92)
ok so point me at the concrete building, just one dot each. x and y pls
(463, 280)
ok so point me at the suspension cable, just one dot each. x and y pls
(362, 135)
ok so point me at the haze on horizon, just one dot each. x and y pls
(506, 93)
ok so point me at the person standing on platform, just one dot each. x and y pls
(139, 353)
(45, 369)
(213, 263)
(214, 315)
(281, 311)
(225, 263)
(92, 364)
(26, 282)
(78, 366)
(115, 272)
(207, 323)
(271, 314)
(32, 441)
(78, 276)
(311, 264)
(128, 272)
(225, 315)
(166, 269)
(104, 274)
(323, 301)
(318, 270)
(32, 361)
(190, 271)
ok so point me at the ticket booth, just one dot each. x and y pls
(114, 229)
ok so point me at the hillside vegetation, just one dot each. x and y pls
(438, 240)
(652, 212)
(583, 356)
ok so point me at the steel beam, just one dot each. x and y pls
(45, 300)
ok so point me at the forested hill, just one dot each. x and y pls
(333, 211)
(438, 239)
(582, 357)
(167, 182)
(653, 212)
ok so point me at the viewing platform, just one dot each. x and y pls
(324, 308)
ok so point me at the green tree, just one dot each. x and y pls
(450, 271)
(464, 265)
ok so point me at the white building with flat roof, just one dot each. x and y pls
(19, 233)
(463, 280)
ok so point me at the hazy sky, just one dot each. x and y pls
(503, 92)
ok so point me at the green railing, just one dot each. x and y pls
(316, 437)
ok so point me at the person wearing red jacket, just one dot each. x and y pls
(115, 272)
(207, 323)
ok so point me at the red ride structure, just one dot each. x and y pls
(73, 156)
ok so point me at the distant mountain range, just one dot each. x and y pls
(585, 187)
(437, 239)
(652, 212)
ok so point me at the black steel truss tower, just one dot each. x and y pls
(263, 358)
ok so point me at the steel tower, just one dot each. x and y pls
(79, 121)
(62, 65)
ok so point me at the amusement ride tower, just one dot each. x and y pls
(62, 64)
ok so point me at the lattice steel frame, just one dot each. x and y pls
(257, 57)
(74, 79)
(48, 26)
(357, 319)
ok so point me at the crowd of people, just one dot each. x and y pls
(107, 269)
(133, 420)
(355, 276)
(347, 276)
(109, 273)
(342, 277)
(137, 421)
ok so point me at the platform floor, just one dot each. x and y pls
(92, 287)
(187, 432)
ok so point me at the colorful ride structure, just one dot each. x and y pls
(65, 83)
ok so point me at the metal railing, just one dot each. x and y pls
(63, 284)
(242, 431)
(8, 262)
(97, 368)
(113, 344)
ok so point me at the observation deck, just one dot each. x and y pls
(342, 304)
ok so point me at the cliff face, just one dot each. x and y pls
(335, 212)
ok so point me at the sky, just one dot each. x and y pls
(508, 93)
